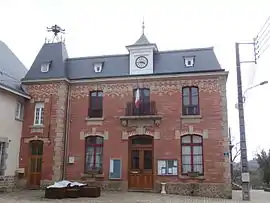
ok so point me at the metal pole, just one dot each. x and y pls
(231, 158)
(243, 148)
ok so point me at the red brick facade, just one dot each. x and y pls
(166, 92)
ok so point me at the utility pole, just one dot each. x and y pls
(243, 147)
(260, 46)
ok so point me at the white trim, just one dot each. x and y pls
(14, 92)
(134, 77)
(38, 105)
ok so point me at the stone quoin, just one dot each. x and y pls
(82, 123)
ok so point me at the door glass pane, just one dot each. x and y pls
(142, 140)
(147, 159)
(39, 164)
(36, 148)
(33, 165)
(196, 139)
(195, 98)
(186, 139)
(186, 168)
(197, 159)
(186, 159)
(186, 150)
(197, 150)
(198, 168)
(135, 159)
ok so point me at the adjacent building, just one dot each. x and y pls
(12, 99)
(128, 122)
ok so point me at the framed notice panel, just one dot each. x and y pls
(167, 167)
(115, 168)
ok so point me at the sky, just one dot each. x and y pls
(97, 27)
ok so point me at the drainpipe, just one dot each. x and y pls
(67, 125)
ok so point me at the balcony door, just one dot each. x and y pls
(140, 163)
(143, 107)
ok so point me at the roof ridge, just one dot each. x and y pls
(187, 50)
(100, 56)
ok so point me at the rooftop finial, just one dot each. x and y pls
(56, 31)
(143, 27)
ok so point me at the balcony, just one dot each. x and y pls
(146, 114)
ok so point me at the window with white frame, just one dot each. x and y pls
(189, 61)
(39, 113)
(19, 111)
(45, 67)
(2, 158)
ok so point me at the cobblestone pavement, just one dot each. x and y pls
(117, 197)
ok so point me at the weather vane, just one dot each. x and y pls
(143, 27)
(56, 30)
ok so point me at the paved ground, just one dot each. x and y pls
(116, 197)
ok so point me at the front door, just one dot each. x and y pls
(141, 163)
(35, 165)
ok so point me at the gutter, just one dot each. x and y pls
(67, 125)
(14, 92)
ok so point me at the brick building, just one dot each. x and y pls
(128, 121)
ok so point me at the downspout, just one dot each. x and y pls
(66, 138)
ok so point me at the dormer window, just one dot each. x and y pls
(189, 61)
(45, 67)
(98, 67)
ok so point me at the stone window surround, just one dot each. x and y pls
(35, 138)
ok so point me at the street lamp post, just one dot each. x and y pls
(261, 83)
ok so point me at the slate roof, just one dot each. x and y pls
(12, 70)
(165, 62)
(142, 40)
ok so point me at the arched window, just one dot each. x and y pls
(192, 154)
(93, 154)
(190, 101)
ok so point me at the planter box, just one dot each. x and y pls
(55, 193)
(87, 191)
(266, 189)
(72, 192)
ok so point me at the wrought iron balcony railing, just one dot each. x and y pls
(144, 109)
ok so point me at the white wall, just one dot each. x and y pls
(10, 129)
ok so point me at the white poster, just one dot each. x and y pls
(174, 170)
(174, 163)
(170, 170)
(111, 166)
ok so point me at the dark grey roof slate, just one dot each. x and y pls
(51, 52)
(165, 62)
(142, 40)
(12, 69)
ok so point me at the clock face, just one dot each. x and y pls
(141, 62)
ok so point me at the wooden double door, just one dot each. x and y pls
(35, 164)
(140, 163)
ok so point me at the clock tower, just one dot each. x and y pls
(141, 56)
